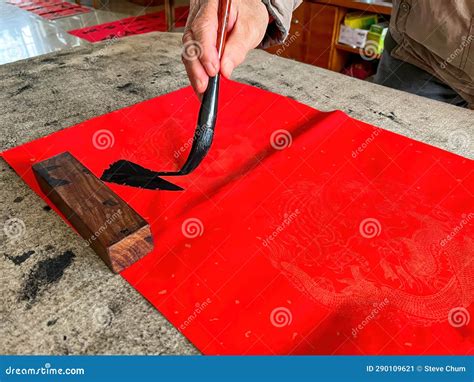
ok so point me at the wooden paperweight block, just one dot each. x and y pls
(111, 227)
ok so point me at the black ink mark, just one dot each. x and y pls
(131, 174)
(391, 116)
(253, 83)
(22, 89)
(17, 260)
(128, 87)
(55, 122)
(45, 273)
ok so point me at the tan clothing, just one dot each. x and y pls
(280, 11)
(438, 37)
(434, 35)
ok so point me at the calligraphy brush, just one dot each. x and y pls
(132, 174)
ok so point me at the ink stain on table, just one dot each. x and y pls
(18, 260)
(129, 87)
(22, 89)
(45, 273)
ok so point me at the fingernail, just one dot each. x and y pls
(200, 86)
(211, 69)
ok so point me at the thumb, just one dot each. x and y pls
(236, 48)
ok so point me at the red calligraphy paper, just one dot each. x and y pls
(150, 22)
(301, 232)
(50, 10)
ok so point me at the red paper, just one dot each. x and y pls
(65, 13)
(38, 5)
(131, 26)
(50, 9)
(302, 232)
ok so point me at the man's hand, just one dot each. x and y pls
(248, 20)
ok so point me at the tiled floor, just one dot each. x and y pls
(24, 35)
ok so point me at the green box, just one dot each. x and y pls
(376, 37)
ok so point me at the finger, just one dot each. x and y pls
(237, 46)
(232, 16)
(193, 10)
(196, 72)
(204, 29)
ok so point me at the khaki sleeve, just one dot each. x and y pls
(280, 12)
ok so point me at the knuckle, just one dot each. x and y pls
(187, 35)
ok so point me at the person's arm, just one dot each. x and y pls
(247, 28)
(280, 12)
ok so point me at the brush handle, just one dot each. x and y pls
(208, 112)
(223, 19)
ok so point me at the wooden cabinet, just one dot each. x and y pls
(315, 30)
(311, 36)
(295, 45)
(322, 35)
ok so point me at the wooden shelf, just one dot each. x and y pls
(350, 49)
(314, 33)
(384, 8)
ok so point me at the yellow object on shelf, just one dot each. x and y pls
(357, 20)
(376, 37)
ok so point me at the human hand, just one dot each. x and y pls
(248, 20)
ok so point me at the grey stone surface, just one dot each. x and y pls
(81, 308)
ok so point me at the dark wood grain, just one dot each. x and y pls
(109, 225)
(384, 8)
